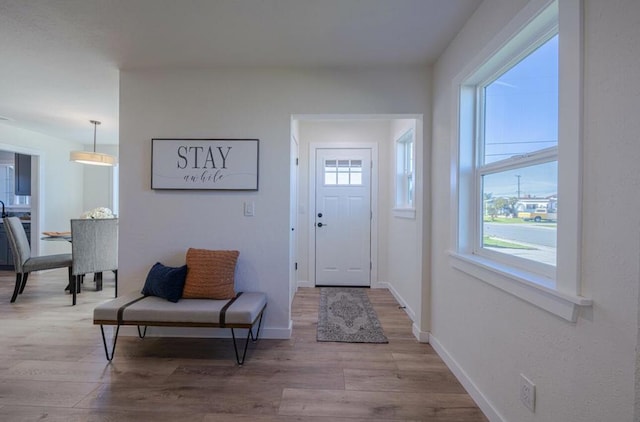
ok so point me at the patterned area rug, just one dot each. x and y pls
(346, 315)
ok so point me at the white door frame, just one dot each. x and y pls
(294, 149)
(313, 146)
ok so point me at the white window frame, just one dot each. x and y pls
(548, 272)
(405, 172)
(558, 293)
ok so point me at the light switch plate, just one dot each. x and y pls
(249, 209)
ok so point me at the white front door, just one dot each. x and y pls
(343, 217)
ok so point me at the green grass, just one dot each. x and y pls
(492, 242)
(504, 220)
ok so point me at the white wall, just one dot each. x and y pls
(404, 255)
(582, 371)
(61, 182)
(234, 103)
(98, 181)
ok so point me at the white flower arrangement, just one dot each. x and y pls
(100, 212)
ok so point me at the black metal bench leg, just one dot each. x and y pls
(254, 339)
(142, 334)
(104, 342)
(246, 343)
(235, 346)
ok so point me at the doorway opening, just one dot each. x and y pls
(20, 185)
(330, 179)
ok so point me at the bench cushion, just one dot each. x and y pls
(154, 310)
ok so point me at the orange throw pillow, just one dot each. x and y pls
(210, 274)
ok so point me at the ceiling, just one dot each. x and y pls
(60, 59)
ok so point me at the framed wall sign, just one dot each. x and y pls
(220, 164)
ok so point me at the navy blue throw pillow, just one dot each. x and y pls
(165, 282)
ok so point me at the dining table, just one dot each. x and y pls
(56, 236)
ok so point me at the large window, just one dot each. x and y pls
(517, 160)
(518, 153)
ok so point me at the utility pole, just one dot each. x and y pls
(518, 176)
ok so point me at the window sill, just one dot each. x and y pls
(409, 213)
(523, 285)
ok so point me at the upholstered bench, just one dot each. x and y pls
(243, 311)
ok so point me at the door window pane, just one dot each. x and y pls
(330, 172)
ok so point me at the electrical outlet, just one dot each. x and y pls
(527, 393)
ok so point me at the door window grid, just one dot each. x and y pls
(343, 172)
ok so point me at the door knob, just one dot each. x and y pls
(319, 215)
(320, 224)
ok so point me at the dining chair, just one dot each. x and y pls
(94, 247)
(23, 262)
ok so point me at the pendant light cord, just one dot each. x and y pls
(95, 128)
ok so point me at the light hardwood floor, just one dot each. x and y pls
(52, 367)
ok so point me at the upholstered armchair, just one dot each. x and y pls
(23, 262)
(94, 249)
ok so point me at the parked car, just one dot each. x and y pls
(540, 214)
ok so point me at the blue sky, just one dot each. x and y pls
(522, 117)
(537, 181)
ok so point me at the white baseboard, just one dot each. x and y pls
(477, 396)
(422, 336)
(401, 301)
(276, 333)
(305, 283)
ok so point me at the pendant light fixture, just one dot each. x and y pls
(93, 158)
